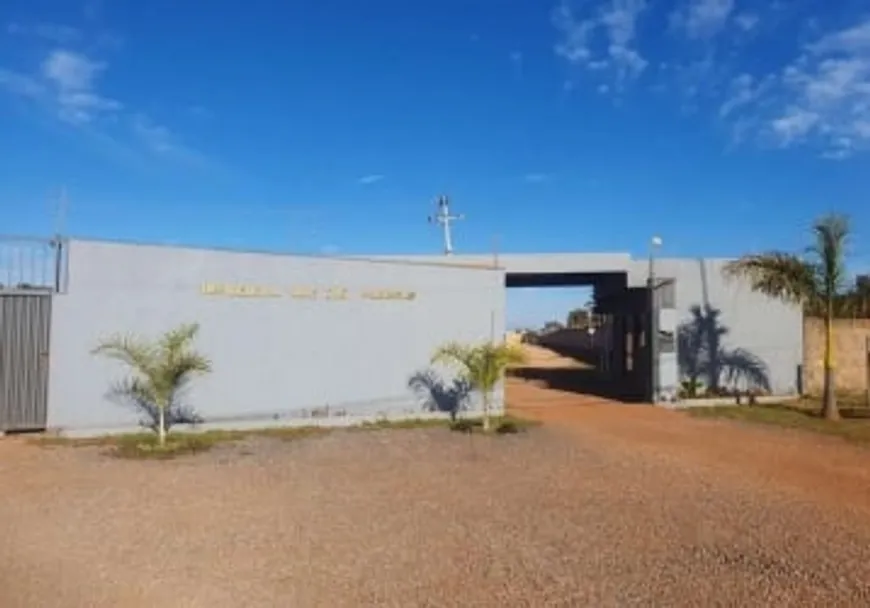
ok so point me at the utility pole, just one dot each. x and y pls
(444, 219)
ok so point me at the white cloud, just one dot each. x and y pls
(157, 137)
(161, 141)
(817, 97)
(855, 39)
(603, 40)
(71, 77)
(71, 71)
(59, 34)
(747, 21)
(21, 84)
(830, 87)
(365, 180)
(702, 18)
(64, 83)
(794, 124)
(67, 84)
(821, 98)
(743, 91)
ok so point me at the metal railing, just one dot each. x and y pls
(31, 264)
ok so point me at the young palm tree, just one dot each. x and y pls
(160, 370)
(815, 280)
(481, 365)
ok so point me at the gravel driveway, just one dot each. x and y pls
(552, 517)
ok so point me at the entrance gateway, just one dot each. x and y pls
(630, 310)
(31, 269)
(729, 337)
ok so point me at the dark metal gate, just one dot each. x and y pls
(25, 328)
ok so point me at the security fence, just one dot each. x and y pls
(31, 264)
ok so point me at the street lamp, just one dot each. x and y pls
(655, 244)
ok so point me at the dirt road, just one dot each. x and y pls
(606, 505)
(823, 468)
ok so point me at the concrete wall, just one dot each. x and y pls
(757, 335)
(274, 358)
(851, 359)
(535, 263)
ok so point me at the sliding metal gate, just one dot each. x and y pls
(25, 322)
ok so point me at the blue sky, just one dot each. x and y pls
(554, 125)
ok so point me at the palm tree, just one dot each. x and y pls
(160, 370)
(816, 280)
(481, 366)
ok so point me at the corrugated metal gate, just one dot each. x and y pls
(25, 324)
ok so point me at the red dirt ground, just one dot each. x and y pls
(823, 468)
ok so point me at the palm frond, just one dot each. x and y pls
(776, 274)
(185, 365)
(831, 233)
(160, 369)
(176, 341)
(452, 353)
(130, 350)
(481, 365)
(135, 393)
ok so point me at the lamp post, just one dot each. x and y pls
(655, 244)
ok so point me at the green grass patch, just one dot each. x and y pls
(500, 424)
(144, 445)
(410, 423)
(805, 416)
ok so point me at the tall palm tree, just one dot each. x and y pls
(481, 366)
(160, 370)
(816, 280)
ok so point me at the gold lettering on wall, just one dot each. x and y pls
(386, 294)
(239, 290)
(303, 293)
(336, 293)
(300, 292)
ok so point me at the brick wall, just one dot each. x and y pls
(850, 354)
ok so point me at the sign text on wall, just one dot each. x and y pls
(300, 292)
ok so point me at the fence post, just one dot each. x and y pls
(58, 262)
